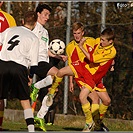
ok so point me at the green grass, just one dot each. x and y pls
(113, 125)
(21, 126)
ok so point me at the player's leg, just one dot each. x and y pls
(52, 116)
(28, 114)
(86, 109)
(103, 107)
(48, 99)
(1, 112)
(95, 102)
(44, 108)
(46, 103)
(46, 117)
(22, 92)
(95, 108)
(38, 85)
(39, 119)
(44, 71)
(4, 83)
(105, 103)
(58, 78)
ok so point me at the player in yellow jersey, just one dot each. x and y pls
(6, 21)
(88, 62)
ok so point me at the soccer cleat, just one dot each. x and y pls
(105, 129)
(39, 122)
(89, 127)
(34, 93)
(99, 126)
(49, 100)
(49, 124)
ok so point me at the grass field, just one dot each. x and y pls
(113, 125)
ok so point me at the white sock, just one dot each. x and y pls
(29, 118)
(44, 109)
(31, 128)
(44, 82)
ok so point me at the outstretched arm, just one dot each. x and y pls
(83, 49)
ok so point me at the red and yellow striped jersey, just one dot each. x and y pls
(6, 21)
(100, 58)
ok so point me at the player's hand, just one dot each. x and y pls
(82, 42)
(71, 87)
(112, 66)
(30, 81)
(64, 57)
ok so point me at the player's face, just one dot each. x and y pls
(43, 16)
(78, 35)
(104, 41)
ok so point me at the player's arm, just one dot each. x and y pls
(60, 57)
(34, 52)
(112, 66)
(71, 85)
(86, 53)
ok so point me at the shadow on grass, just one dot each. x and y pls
(4, 130)
(72, 129)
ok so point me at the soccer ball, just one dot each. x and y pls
(57, 46)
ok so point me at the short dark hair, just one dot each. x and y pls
(40, 8)
(30, 18)
(108, 33)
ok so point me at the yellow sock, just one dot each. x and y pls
(102, 110)
(87, 113)
(95, 114)
(94, 109)
(55, 85)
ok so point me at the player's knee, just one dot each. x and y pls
(60, 73)
(107, 101)
(94, 97)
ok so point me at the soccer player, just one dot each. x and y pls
(45, 70)
(89, 60)
(20, 49)
(6, 21)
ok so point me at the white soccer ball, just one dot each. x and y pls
(57, 46)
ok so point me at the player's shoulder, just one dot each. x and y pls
(26, 32)
(97, 39)
(7, 15)
(39, 28)
(71, 43)
(90, 39)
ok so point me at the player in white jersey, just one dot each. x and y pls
(19, 51)
(45, 70)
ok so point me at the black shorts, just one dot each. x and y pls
(13, 81)
(42, 69)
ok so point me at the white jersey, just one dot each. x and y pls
(43, 36)
(19, 45)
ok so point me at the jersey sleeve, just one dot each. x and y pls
(11, 20)
(108, 55)
(34, 52)
(68, 53)
(102, 54)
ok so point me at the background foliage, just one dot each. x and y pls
(119, 16)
